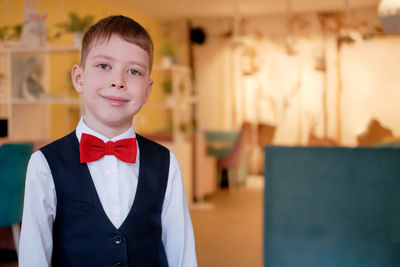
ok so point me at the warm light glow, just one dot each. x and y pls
(389, 7)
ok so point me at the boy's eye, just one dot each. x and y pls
(103, 66)
(134, 72)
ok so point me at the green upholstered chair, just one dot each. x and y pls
(13, 163)
(332, 207)
(229, 147)
(220, 143)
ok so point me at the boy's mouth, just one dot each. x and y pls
(114, 101)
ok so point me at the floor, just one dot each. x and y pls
(227, 226)
(228, 230)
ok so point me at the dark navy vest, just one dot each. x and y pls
(82, 233)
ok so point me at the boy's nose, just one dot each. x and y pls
(118, 85)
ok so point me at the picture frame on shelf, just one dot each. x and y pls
(28, 75)
(30, 86)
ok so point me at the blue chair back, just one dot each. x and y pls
(13, 163)
(332, 207)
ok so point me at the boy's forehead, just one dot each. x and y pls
(101, 39)
(106, 41)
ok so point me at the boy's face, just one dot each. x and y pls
(114, 83)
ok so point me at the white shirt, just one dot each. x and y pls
(113, 180)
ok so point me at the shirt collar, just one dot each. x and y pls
(83, 128)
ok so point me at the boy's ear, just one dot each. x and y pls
(148, 89)
(77, 78)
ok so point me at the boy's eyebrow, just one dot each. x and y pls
(137, 63)
(102, 56)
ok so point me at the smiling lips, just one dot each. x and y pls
(114, 101)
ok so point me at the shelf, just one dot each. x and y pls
(35, 96)
(48, 49)
(61, 100)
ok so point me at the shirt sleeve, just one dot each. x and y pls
(36, 244)
(177, 229)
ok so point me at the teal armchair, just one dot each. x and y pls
(13, 163)
(332, 207)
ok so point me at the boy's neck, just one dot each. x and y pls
(107, 131)
(110, 133)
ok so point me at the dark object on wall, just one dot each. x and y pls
(390, 24)
(265, 133)
(3, 128)
(374, 134)
(314, 140)
(389, 16)
(331, 207)
(197, 35)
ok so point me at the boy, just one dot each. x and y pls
(103, 195)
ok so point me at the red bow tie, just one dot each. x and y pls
(92, 148)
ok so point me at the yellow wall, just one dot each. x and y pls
(12, 12)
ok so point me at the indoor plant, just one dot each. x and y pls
(77, 25)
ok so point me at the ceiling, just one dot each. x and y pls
(223, 8)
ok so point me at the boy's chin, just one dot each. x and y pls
(111, 123)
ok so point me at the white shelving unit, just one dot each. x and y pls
(23, 73)
(180, 102)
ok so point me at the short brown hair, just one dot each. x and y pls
(124, 27)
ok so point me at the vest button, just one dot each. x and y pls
(117, 240)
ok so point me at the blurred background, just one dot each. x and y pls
(230, 77)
